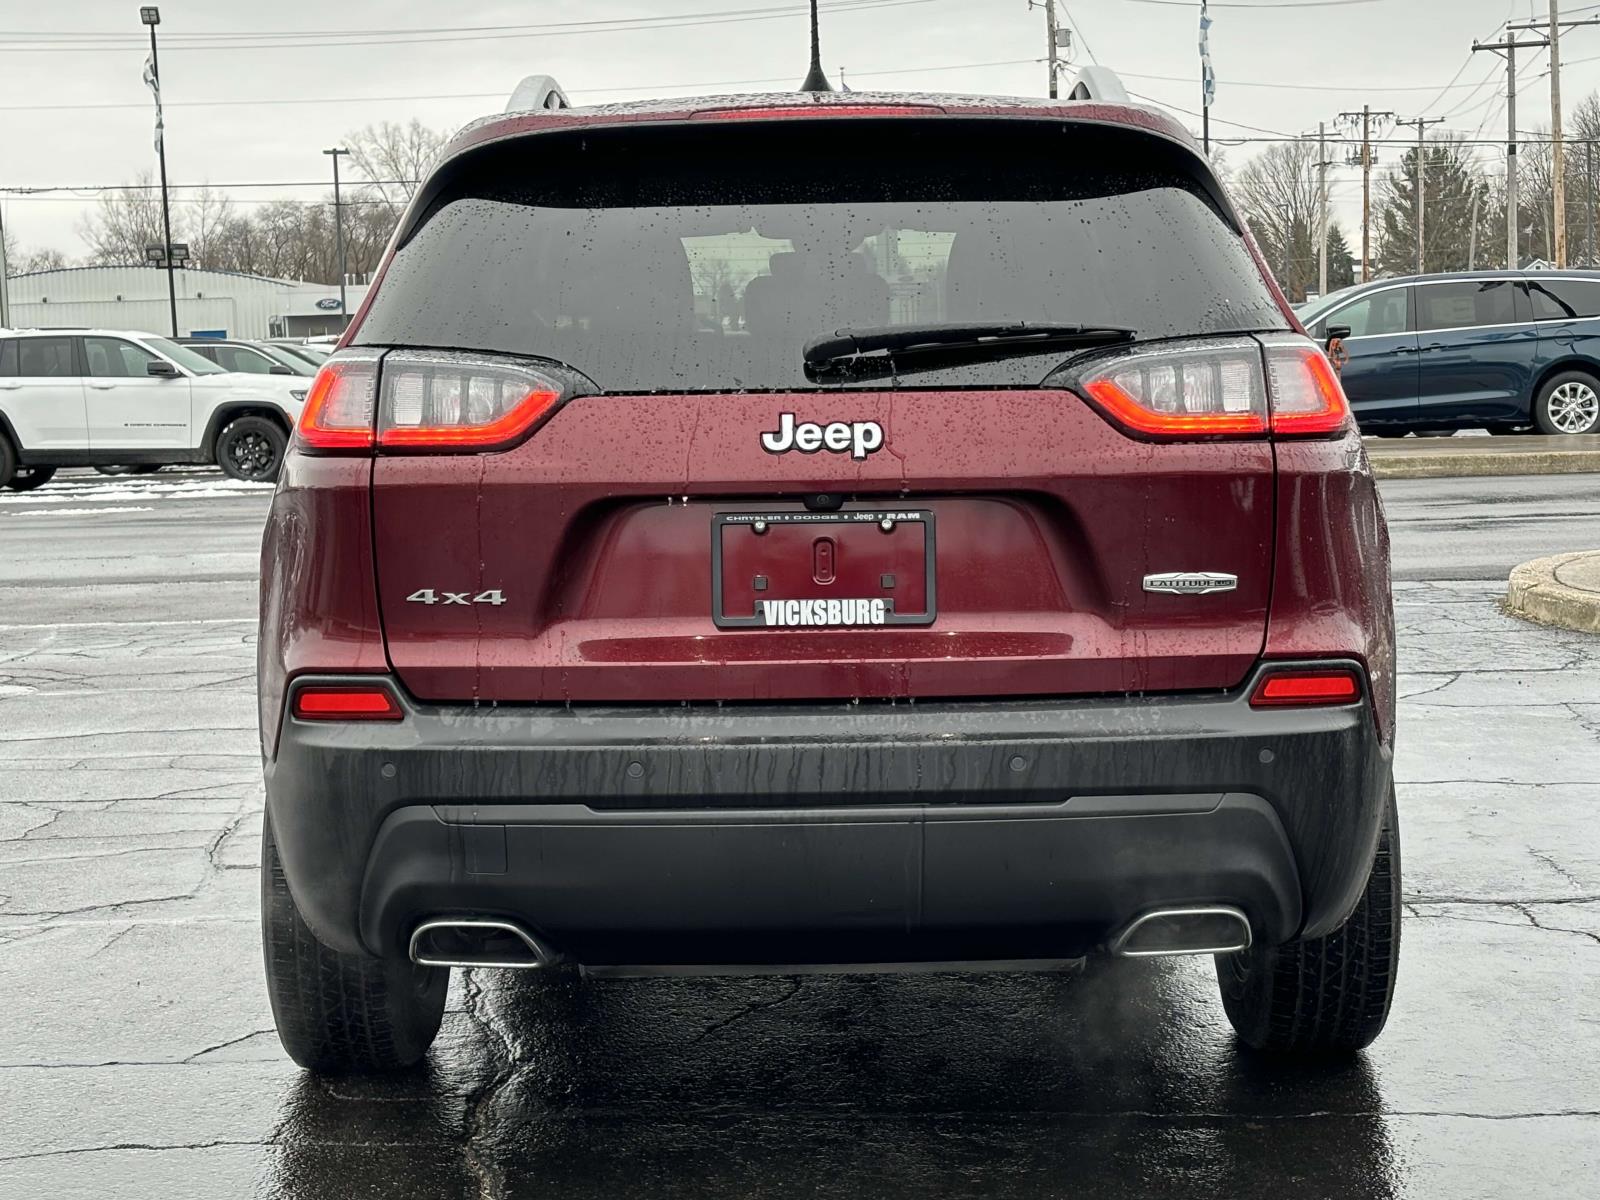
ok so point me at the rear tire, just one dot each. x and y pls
(1568, 403)
(251, 449)
(8, 462)
(1330, 994)
(25, 479)
(128, 469)
(341, 1013)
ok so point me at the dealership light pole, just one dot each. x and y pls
(338, 228)
(151, 15)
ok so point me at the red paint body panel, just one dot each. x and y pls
(319, 603)
(1331, 595)
(597, 530)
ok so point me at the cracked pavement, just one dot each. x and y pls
(137, 1055)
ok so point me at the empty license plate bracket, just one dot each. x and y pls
(787, 569)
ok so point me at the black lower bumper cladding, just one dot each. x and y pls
(829, 832)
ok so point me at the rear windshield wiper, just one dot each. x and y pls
(874, 352)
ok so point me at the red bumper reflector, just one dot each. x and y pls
(1286, 688)
(346, 704)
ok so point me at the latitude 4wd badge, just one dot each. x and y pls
(860, 438)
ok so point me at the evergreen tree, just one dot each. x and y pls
(1455, 190)
(1341, 262)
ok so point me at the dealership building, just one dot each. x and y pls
(210, 303)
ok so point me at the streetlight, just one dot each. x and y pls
(338, 229)
(150, 15)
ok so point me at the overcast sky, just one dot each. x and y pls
(73, 110)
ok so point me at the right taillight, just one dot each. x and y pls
(1307, 399)
(1218, 388)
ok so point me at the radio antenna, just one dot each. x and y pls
(815, 81)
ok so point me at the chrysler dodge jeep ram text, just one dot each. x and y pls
(824, 530)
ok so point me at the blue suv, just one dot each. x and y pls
(1502, 350)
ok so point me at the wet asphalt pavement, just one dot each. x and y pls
(137, 1056)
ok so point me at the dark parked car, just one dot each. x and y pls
(722, 542)
(249, 358)
(1492, 349)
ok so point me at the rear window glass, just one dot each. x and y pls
(705, 257)
(45, 358)
(1564, 299)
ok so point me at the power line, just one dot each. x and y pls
(323, 39)
(201, 35)
(1306, 87)
(1263, 4)
(1078, 29)
(632, 87)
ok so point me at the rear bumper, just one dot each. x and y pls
(829, 833)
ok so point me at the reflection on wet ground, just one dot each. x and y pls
(137, 1058)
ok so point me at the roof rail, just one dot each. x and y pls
(1098, 83)
(537, 92)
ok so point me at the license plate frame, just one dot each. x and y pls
(722, 520)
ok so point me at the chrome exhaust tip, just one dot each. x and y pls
(1205, 929)
(472, 942)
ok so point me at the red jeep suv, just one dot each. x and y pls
(826, 529)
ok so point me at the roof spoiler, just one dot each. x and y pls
(537, 92)
(1098, 83)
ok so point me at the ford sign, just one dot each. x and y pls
(328, 303)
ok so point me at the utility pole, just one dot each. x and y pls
(1056, 37)
(1509, 49)
(151, 16)
(1208, 80)
(1589, 199)
(1472, 235)
(1546, 34)
(1422, 124)
(338, 229)
(1557, 154)
(1322, 208)
(1366, 114)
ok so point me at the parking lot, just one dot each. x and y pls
(137, 1055)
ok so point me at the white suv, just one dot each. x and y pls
(101, 397)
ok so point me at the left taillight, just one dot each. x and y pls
(346, 702)
(419, 402)
(340, 406)
(1217, 388)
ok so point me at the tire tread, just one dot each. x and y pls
(1326, 994)
(336, 1012)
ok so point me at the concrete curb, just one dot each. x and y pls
(1562, 590)
(1487, 462)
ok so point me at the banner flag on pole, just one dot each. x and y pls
(1208, 77)
(154, 85)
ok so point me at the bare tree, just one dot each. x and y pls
(284, 239)
(1277, 193)
(392, 158)
(209, 220)
(124, 222)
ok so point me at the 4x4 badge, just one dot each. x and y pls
(1191, 583)
(861, 438)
